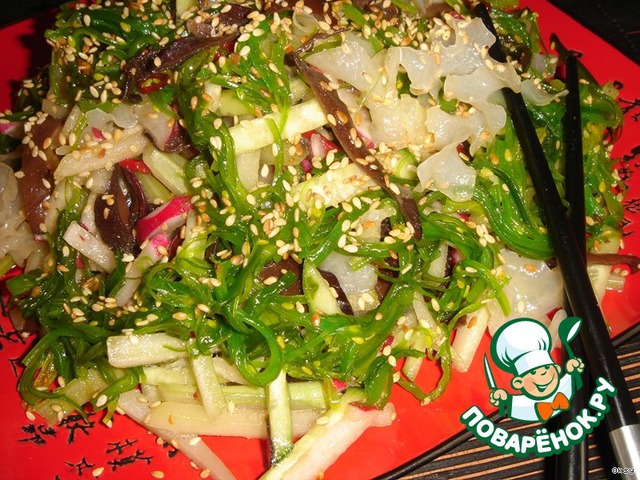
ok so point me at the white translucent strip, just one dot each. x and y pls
(168, 168)
(189, 444)
(126, 351)
(16, 238)
(467, 339)
(90, 246)
(333, 187)
(327, 440)
(234, 422)
(533, 290)
(256, 133)
(103, 155)
(209, 387)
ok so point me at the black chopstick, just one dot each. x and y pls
(573, 464)
(621, 421)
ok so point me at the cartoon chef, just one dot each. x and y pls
(522, 347)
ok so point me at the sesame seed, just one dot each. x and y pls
(157, 474)
(98, 471)
(231, 219)
(350, 248)
(203, 308)
(435, 305)
(342, 117)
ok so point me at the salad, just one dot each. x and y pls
(257, 220)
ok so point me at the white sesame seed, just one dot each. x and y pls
(203, 308)
(231, 219)
(97, 472)
(435, 305)
(350, 248)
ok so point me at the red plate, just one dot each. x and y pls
(32, 450)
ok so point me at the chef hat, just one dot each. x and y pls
(521, 345)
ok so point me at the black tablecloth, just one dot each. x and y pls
(617, 21)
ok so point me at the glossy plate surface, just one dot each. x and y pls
(31, 450)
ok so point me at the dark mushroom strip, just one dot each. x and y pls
(139, 204)
(343, 301)
(152, 62)
(276, 269)
(631, 261)
(345, 132)
(39, 160)
(232, 16)
(437, 9)
(118, 211)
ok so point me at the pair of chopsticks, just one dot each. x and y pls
(621, 421)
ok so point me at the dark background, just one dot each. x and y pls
(618, 21)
